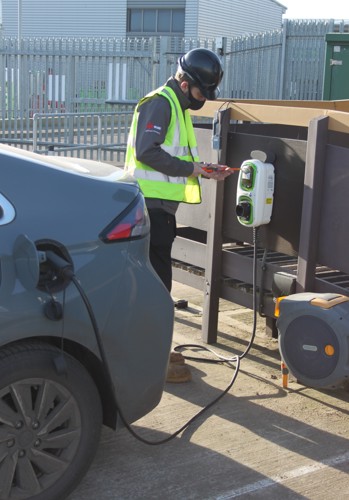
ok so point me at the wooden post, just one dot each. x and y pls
(214, 239)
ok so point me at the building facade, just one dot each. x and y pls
(120, 18)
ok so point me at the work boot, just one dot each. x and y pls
(177, 358)
(177, 373)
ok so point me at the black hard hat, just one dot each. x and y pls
(204, 69)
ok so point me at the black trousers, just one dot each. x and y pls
(162, 235)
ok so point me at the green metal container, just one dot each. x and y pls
(336, 76)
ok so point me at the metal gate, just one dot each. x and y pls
(97, 136)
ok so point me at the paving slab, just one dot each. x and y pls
(259, 441)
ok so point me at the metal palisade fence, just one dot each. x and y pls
(77, 94)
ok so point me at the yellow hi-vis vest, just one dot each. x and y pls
(180, 142)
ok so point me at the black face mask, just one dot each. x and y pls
(195, 104)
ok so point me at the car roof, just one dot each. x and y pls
(79, 166)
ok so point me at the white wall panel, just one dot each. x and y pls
(65, 18)
(238, 17)
(204, 18)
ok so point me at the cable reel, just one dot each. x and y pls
(314, 337)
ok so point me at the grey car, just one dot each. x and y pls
(85, 323)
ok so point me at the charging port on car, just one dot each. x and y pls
(50, 279)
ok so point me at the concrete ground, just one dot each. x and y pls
(259, 441)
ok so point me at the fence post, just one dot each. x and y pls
(283, 57)
(163, 57)
(99, 136)
(312, 202)
(71, 90)
(214, 243)
(35, 132)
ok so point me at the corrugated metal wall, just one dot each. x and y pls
(66, 17)
(237, 17)
(156, 4)
(109, 17)
(191, 18)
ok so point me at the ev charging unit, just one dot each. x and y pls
(255, 193)
(314, 337)
(313, 328)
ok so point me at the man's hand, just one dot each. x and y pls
(212, 171)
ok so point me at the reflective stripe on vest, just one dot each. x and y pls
(179, 142)
(173, 150)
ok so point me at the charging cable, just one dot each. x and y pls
(110, 380)
(65, 269)
(219, 357)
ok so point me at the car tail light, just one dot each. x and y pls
(132, 223)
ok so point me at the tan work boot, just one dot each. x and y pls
(177, 358)
(177, 373)
(177, 370)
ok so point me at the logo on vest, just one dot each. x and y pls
(150, 127)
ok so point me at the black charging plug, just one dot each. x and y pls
(61, 266)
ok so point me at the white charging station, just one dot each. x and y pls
(255, 193)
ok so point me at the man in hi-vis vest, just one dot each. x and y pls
(162, 155)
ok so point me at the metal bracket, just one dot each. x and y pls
(216, 132)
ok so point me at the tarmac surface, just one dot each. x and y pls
(259, 441)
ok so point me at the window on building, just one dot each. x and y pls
(155, 21)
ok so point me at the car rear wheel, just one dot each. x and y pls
(50, 422)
